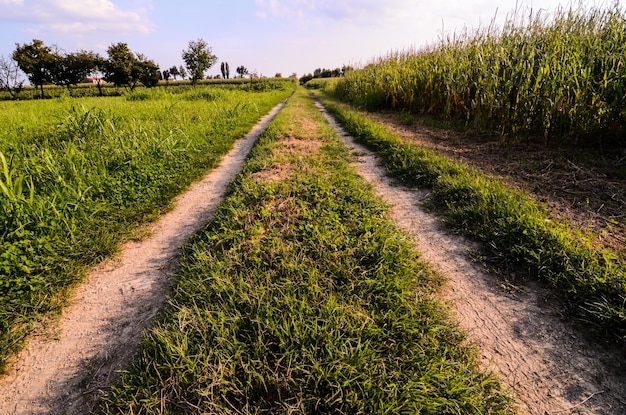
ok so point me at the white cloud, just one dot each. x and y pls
(77, 16)
(373, 12)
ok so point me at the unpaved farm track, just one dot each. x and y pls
(541, 360)
(538, 357)
(62, 372)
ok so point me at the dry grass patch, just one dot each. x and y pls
(288, 154)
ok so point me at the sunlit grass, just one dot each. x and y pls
(515, 230)
(301, 296)
(78, 175)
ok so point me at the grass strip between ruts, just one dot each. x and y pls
(515, 230)
(301, 296)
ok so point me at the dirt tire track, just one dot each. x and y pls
(547, 368)
(64, 369)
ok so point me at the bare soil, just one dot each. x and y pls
(585, 187)
(544, 363)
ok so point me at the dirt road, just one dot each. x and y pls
(543, 362)
(61, 371)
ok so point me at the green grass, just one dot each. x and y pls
(301, 296)
(557, 79)
(172, 87)
(77, 176)
(515, 230)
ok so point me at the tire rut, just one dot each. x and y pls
(64, 369)
(540, 359)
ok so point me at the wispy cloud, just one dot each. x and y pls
(76, 16)
(346, 11)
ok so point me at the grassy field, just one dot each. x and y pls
(515, 230)
(302, 297)
(77, 176)
(556, 79)
(172, 87)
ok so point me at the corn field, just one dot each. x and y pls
(559, 78)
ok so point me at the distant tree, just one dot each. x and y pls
(293, 75)
(173, 71)
(72, 68)
(182, 72)
(166, 75)
(10, 77)
(317, 73)
(305, 78)
(124, 68)
(118, 68)
(36, 61)
(345, 69)
(242, 71)
(225, 70)
(336, 72)
(146, 71)
(278, 75)
(198, 59)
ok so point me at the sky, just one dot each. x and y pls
(266, 36)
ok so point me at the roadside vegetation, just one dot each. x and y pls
(558, 79)
(77, 177)
(170, 86)
(301, 296)
(86, 73)
(515, 230)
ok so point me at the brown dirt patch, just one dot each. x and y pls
(583, 187)
(288, 152)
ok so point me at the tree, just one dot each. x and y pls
(173, 71)
(305, 78)
(198, 58)
(225, 70)
(72, 68)
(242, 71)
(146, 71)
(36, 61)
(278, 75)
(182, 72)
(118, 68)
(10, 77)
(166, 75)
(124, 68)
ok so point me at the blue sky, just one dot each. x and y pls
(267, 36)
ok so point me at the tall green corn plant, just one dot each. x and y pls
(560, 77)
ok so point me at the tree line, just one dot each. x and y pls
(43, 64)
(325, 73)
